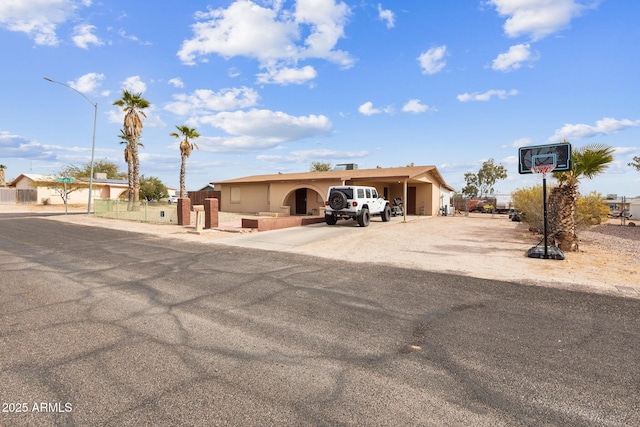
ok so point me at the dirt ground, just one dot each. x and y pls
(481, 245)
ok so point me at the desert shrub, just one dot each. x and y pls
(528, 201)
(590, 210)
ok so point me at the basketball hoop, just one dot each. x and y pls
(543, 169)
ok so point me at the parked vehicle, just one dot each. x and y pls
(397, 209)
(355, 202)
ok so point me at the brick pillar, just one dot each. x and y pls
(211, 213)
(184, 211)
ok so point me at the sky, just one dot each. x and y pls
(273, 85)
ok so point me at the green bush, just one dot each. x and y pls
(590, 210)
(528, 201)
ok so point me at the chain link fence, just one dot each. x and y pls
(145, 211)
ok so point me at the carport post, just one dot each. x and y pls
(404, 201)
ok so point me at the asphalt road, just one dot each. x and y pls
(112, 328)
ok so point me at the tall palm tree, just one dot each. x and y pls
(587, 162)
(133, 105)
(128, 157)
(2, 176)
(186, 147)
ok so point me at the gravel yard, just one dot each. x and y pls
(615, 238)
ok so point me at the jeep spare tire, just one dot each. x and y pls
(337, 200)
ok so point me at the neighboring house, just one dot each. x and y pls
(634, 209)
(102, 189)
(617, 204)
(422, 187)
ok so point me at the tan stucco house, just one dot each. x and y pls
(422, 187)
(102, 189)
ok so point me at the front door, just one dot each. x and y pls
(411, 201)
(301, 201)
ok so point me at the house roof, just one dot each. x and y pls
(53, 178)
(379, 174)
(32, 177)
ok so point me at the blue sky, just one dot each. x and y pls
(272, 85)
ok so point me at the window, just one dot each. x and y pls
(235, 194)
(368, 193)
(360, 193)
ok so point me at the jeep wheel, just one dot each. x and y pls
(337, 200)
(386, 214)
(364, 218)
(330, 219)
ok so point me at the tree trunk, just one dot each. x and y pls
(562, 216)
(182, 175)
(135, 205)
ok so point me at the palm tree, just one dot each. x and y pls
(132, 105)
(128, 157)
(587, 162)
(2, 177)
(186, 147)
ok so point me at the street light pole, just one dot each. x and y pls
(93, 143)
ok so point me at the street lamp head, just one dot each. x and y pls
(48, 79)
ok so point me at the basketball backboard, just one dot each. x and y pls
(550, 154)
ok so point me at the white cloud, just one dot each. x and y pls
(204, 101)
(176, 82)
(235, 144)
(513, 58)
(520, 142)
(269, 125)
(539, 18)
(125, 35)
(83, 36)
(625, 150)
(367, 109)
(387, 16)
(486, 96)
(284, 76)
(304, 156)
(87, 83)
(415, 106)
(15, 146)
(602, 127)
(432, 61)
(37, 18)
(270, 35)
(134, 85)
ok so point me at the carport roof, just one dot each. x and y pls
(379, 174)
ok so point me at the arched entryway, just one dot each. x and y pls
(304, 201)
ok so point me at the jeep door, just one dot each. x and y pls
(376, 203)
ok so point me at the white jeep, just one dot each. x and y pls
(355, 202)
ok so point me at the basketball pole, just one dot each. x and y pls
(544, 210)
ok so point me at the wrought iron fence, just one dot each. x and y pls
(144, 211)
